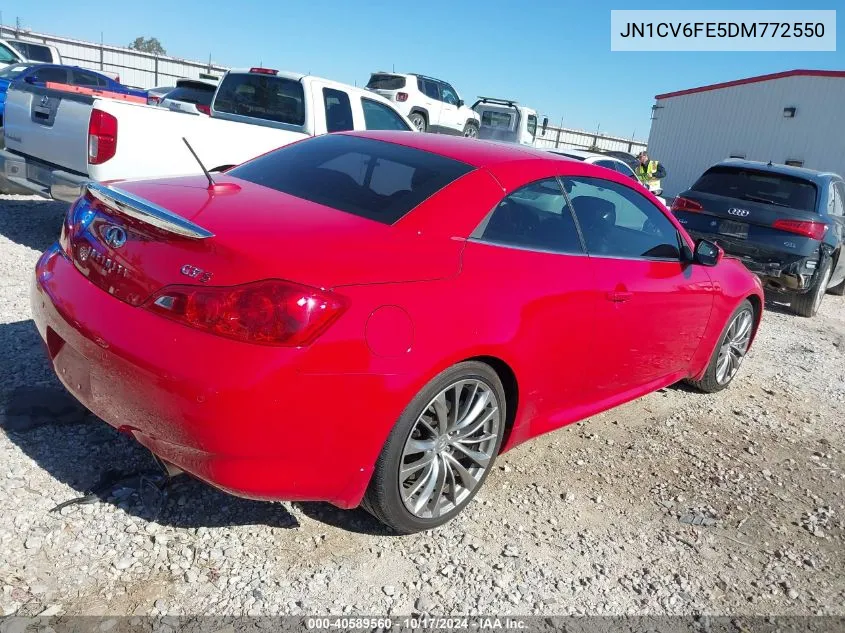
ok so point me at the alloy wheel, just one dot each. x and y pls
(450, 447)
(471, 131)
(734, 346)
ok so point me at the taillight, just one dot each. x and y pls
(153, 100)
(685, 204)
(401, 96)
(269, 312)
(813, 230)
(264, 71)
(102, 137)
(204, 109)
(79, 216)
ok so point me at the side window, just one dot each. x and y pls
(448, 95)
(7, 56)
(57, 75)
(532, 124)
(617, 221)
(534, 217)
(839, 204)
(432, 90)
(85, 78)
(378, 116)
(607, 164)
(623, 169)
(338, 110)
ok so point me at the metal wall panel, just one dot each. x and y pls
(691, 132)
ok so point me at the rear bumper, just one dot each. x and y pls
(248, 419)
(41, 178)
(777, 271)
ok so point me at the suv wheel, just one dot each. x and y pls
(807, 304)
(418, 120)
(471, 130)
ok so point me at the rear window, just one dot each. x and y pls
(198, 93)
(33, 52)
(386, 82)
(496, 120)
(365, 177)
(759, 186)
(262, 97)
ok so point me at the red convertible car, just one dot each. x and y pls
(371, 318)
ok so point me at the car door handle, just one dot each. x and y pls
(618, 296)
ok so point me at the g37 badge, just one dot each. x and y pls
(196, 273)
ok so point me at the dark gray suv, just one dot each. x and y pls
(785, 223)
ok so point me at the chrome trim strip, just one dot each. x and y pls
(146, 211)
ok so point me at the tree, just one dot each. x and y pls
(148, 45)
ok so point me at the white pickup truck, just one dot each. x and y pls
(505, 120)
(56, 140)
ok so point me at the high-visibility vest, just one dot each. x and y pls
(646, 174)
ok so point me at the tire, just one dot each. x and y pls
(398, 501)
(471, 130)
(807, 304)
(710, 382)
(418, 120)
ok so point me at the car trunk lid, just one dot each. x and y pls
(133, 238)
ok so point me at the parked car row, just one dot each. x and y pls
(56, 142)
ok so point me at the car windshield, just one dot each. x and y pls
(386, 82)
(759, 186)
(368, 178)
(198, 93)
(262, 97)
(12, 71)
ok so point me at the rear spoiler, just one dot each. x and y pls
(146, 212)
(95, 93)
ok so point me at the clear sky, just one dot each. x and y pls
(553, 55)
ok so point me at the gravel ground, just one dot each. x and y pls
(678, 503)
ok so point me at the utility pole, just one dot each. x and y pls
(17, 27)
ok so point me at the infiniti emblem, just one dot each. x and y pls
(740, 212)
(114, 236)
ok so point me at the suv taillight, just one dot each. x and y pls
(813, 230)
(685, 204)
(401, 96)
(102, 137)
(269, 312)
(204, 109)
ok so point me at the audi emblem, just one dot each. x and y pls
(114, 236)
(739, 212)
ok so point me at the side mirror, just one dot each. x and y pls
(545, 124)
(460, 103)
(707, 253)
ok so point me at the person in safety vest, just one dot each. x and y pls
(649, 171)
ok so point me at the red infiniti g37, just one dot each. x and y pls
(371, 318)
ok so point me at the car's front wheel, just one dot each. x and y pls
(440, 451)
(471, 130)
(730, 350)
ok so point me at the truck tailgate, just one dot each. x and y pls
(50, 125)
